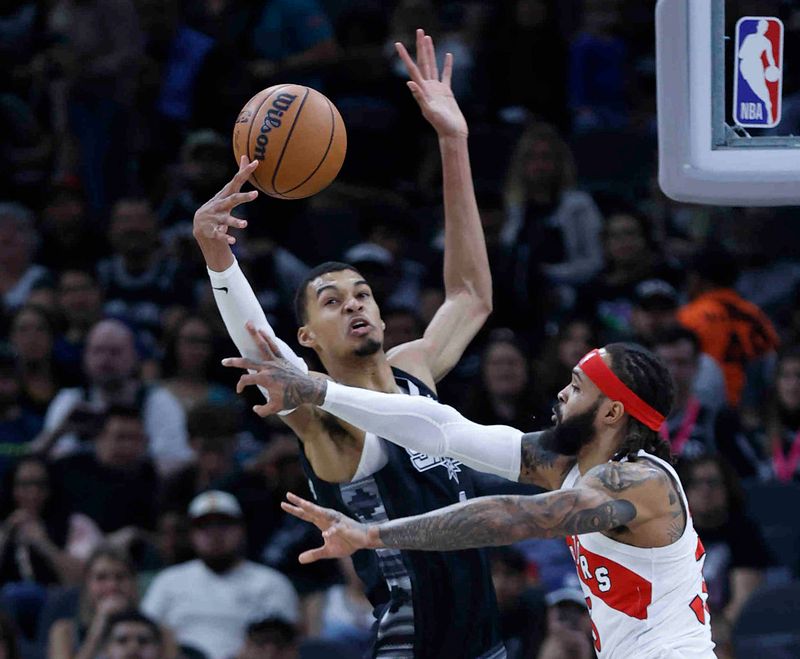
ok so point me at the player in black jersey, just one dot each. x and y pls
(427, 605)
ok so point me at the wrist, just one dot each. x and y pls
(454, 138)
(374, 537)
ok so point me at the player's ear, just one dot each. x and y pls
(306, 337)
(614, 412)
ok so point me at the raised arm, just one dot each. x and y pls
(236, 301)
(467, 279)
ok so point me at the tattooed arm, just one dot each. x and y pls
(611, 496)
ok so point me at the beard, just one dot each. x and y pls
(369, 347)
(570, 436)
(221, 563)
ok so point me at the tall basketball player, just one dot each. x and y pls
(616, 498)
(358, 473)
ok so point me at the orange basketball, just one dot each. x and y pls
(297, 135)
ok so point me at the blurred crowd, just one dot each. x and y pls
(139, 497)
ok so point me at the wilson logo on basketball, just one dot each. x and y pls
(272, 119)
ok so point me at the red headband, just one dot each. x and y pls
(599, 373)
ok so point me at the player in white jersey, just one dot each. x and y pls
(615, 497)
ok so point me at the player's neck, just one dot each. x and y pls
(598, 452)
(373, 372)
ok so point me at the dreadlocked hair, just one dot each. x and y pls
(647, 376)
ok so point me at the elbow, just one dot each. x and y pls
(483, 307)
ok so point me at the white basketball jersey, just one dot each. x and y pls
(644, 603)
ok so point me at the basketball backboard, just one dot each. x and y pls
(728, 77)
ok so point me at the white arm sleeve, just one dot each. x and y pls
(421, 424)
(237, 303)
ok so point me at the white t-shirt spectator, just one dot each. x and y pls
(164, 424)
(211, 611)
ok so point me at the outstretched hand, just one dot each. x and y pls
(433, 94)
(288, 386)
(343, 536)
(213, 219)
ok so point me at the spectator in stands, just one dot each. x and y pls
(504, 394)
(569, 628)
(97, 83)
(655, 306)
(137, 279)
(598, 70)
(188, 365)
(778, 436)
(115, 484)
(532, 47)
(732, 330)
(690, 427)
(209, 601)
(130, 635)
(522, 608)
(632, 256)
(109, 587)
(69, 240)
(290, 38)
(575, 337)
(80, 303)
(402, 326)
(33, 535)
(736, 554)
(18, 426)
(212, 436)
(18, 242)
(552, 229)
(110, 363)
(270, 638)
(32, 336)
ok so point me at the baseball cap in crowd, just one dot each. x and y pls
(214, 502)
(565, 595)
(368, 253)
(655, 295)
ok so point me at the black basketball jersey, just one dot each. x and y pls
(428, 605)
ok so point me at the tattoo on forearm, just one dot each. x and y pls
(299, 388)
(536, 459)
(501, 520)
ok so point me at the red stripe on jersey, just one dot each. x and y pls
(700, 551)
(696, 605)
(618, 587)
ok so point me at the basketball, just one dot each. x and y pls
(298, 137)
(772, 73)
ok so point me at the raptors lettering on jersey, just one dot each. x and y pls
(644, 602)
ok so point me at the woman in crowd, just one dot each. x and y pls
(631, 256)
(503, 395)
(31, 337)
(189, 362)
(109, 587)
(574, 338)
(34, 533)
(552, 229)
(780, 432)
(736, 554)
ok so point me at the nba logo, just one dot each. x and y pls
(758, 72)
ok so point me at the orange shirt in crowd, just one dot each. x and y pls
(733, 331)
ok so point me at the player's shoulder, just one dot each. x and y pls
(617, 476)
